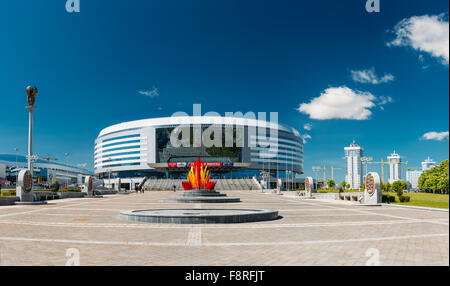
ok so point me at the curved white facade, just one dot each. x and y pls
(132, 146)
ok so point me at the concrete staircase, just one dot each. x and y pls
(222, 184)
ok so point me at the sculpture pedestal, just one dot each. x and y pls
(88, 187)
(24, 189)
(309, 185)
(372, 192)
(25, 196)
(31, 203)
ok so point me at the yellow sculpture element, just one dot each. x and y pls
(198, 178)
(198, 181)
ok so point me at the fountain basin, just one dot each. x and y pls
(201, 193)
(199, 216)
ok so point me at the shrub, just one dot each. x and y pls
(387, 198)
(70, 190)
(8, 193)
(404, 198)
(54, 187)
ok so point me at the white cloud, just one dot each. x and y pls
(369, 76)
(382, 100)
(150, 93)
(340, 103)
(306, 137)
(428, 34)
(439, 136)
(307, 126)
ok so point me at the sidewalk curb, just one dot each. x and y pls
(415, 207)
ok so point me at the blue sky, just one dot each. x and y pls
(261, 56)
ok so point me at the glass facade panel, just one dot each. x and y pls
(166, 152)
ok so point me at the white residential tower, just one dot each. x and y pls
(413, 176)
(428, 164)
(395, 169)
(353, 155)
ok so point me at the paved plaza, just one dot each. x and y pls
(310, 232)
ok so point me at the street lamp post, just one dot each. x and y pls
(17, 164)
(293, 174)
(109, 172)
(24, 184)
(366, 160)
(316, 170)
(67, 170)
(31, 95)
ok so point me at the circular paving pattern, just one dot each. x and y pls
(199, 216)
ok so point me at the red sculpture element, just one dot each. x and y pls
(198, 178)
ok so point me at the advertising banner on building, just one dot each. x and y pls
(176, 164)
(208, 164)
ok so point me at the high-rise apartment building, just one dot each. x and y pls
(428, 164)
(353, 154)
(395, 169)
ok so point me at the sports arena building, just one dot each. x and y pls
(165, 148)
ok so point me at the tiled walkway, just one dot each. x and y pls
(310, 232)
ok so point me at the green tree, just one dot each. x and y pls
(399, 187)
(435, 179)
(387, 187)
(343, 184)
(331, 183)
(347, 186)
(404, 185)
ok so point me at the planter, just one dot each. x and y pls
(64, 195)
(7, 201)
(46, 195)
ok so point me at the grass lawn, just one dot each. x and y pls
(425, 200)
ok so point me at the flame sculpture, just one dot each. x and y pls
(198, 178)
